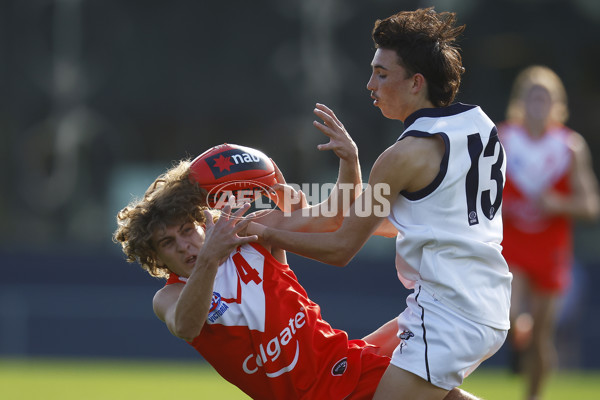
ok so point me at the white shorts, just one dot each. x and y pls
(440, 345)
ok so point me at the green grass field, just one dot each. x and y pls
(48, 379)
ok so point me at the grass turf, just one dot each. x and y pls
(70, 379)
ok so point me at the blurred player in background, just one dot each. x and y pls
(238, 303)
(550, 182)
(444, 178)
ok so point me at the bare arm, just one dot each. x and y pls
(184, 308)
(349, 181)
(294, 213)
(386, 338)
(584, 202)
(386, 228)
(410, 164)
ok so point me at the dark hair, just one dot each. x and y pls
(425, 42)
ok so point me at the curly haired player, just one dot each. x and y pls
(238, 303)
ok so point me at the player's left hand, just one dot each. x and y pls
(339, 139)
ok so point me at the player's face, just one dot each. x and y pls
(177, 246)
(390, 85)
(538, 103)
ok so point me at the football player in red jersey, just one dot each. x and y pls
(238, 303)
(549, 183)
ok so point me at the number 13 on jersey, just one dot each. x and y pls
(484, 174)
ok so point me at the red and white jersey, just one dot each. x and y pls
(264, 335)
(535, 166)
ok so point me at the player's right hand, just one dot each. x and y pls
(340, 140)
(221, 237)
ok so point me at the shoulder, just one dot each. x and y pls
(415, 151)
(577, 142)
(580, 151)
(166, 297)
(410, 163)
(507, 127)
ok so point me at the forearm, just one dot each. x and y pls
(349, 176)
(576, 207)
(584, 203)
(349, 182)
(386, 338)
(194, 301)
(337, 247)
(328, 215)
(347, 187)
(584, 209)
(327, 247)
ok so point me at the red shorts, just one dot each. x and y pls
(546, 260)
(373, 367)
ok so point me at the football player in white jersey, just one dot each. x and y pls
(439, 190)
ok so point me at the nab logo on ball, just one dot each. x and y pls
(234, 160)
(230, 170)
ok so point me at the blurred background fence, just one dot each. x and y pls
(98, 97)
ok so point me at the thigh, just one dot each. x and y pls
(373, 367)
(439, 345)
(519, 293)
(544, 311)
(397, 384)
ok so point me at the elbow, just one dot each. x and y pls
(342, 260)
(595, 211)
(591, 213)
(187, 334)
(187, 331)
(339, 256)
(333, 223)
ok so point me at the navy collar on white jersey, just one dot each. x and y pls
(452, 109)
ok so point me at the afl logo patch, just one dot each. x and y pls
(216, 300)
(340, 367)
(217, 308)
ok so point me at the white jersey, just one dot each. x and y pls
(450, 232)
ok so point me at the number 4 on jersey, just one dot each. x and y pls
(245, 271)
(474, 179)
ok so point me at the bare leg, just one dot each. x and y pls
(543, 351)
(459, 394)
(397, 384)
(519, 336)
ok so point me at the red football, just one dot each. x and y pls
(229, 168)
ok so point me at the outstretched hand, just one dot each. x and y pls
(221, 237)
(286, 197)
(339, 140)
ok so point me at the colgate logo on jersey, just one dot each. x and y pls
(270, 352)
